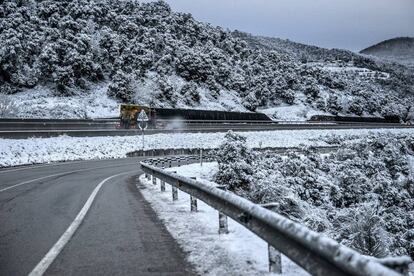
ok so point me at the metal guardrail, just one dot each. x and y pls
(268, 122)
(46, 120)
(314, 252)
(196, 151)
(217, 121)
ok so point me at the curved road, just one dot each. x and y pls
(120, 233)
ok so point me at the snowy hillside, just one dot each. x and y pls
(400, 49)
(88, 56)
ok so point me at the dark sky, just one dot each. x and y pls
(348, 24)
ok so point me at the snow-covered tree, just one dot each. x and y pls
(235, 163)
(121, 87)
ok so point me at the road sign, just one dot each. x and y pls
(142, 124)
(142, 116)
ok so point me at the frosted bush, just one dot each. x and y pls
(361, 195)
(8, 108)
(362, 228)
(235, 163)
(121, 86)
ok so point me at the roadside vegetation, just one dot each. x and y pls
(361, 195)
(8, 107)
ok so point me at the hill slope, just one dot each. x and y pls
(400, 49)
(63, 52)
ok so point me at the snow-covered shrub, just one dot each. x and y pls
(333, 104)
(288, 96)
(356, 107)
(235, 163)
(410, 115)
(251, 102)
(8, 108)
(316, 218)
(190, 93)
(166, 89)
(352, 186)
(64, 78)
(362, 194)
(7, 88)
(362, 228)
(269, 188)
(121, 87)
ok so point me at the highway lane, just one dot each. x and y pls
(33, 124)
(17, 175)
(119, 235)
(191, 128)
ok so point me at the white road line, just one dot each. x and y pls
(36, 179)
(35, 166)
(58, 174)
(43, 166)
(48, 259)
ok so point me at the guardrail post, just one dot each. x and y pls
(193, 201)
(162, 186)
(162, 183)
(275, 257)
(275, 260)
(174, 191)
(154, 180)
(223, 223)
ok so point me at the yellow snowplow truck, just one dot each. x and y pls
(129, 115)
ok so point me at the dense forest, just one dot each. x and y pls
(73, 45)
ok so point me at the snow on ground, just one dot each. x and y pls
(238, 253)
(296, 112)
(204, 173)
(148, 89)
(363, 73)
(41, 102)
(43, 150)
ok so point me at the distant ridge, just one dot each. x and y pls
(400, 49)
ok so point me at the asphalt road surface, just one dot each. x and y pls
(86, 131)
(120, 233)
